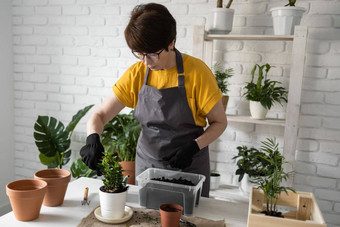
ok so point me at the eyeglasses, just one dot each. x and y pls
(152, 57)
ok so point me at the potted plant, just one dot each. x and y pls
(221, 77)
(112, 195)
(274, 174)
(121, 135)
(221, 18)
(249, 165)
(53, 141)
(263, 93)
(270, 193)
(286, 18)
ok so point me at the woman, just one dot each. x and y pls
(173, 94)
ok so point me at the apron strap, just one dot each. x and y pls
(180, 70)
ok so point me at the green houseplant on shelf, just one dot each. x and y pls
(285, 18)
(263, 92)
(221, 18)
(53, 139)
(121, 135)
(222, 76)
(112, 194)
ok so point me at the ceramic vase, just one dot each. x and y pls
(129, 169)
(170, 214)
(221, 20)
(112, 205)
(26, 197)
(57, 182)
(257, 111)
(286, 18)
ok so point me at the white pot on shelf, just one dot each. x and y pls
(286, 18)
(221, 20)
(245, 185)
(112, 205)
(215, 180)
(257, 111)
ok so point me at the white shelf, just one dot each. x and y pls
(249, 37)
(249, 119)
(203, 48)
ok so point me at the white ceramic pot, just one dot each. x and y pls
(286, 18)
(215, 182)
(112, 205)
(245, 185)
(257, 111)
(221, 20)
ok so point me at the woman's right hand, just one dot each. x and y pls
(92, 152)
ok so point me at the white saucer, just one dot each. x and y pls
(127, 215)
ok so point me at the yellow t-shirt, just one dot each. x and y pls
(200, 85)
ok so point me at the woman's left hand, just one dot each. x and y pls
(182, 157)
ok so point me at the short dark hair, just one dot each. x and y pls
(150, 29)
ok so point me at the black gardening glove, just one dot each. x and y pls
(182, 157)
(92, 152)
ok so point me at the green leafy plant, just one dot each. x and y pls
(121, 135)
(291, 3)
(220, 4)
(270, 183)
(53, 139)
(112, 173)
(222, 76)
(250, 162)
(264, 90)
(80, 169)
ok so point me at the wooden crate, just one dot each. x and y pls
(307, 213)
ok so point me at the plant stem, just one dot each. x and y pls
(229, 3)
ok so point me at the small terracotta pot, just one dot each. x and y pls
(57, 182)
(129, 169)
(170, 214)
(26, 197)
(225, 100)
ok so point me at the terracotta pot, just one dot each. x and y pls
(170, 214)
(26, 197)
(57, 182)
(129, 169)
(225, 100)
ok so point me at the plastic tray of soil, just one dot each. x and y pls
(160, 186)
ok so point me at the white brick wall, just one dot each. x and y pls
(68, 54)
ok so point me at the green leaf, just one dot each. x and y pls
(50, 136)
(46, 160)
(80, 169)
(77, 117)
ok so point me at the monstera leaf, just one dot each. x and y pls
(53, 139)
(80, 169)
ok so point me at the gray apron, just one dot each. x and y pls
(167, 124)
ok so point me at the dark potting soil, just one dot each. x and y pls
(273, 213)
(175, 181)
(170, 209)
